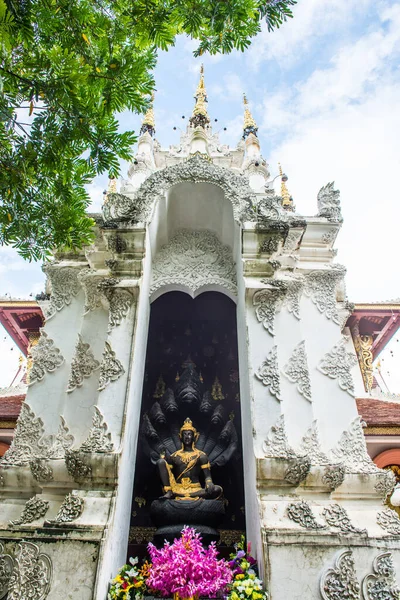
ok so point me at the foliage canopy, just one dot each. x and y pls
(67, 68)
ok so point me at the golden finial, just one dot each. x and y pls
(177, 376)
(160, 388)
(216, 391)
(112, 186)
(200, 114)
(287, 200)
(148, 123)
(249, 124)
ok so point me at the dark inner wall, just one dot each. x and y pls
(203, 329)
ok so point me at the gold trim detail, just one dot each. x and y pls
(148, 118)
(363, 348)
(382, 430)
(8, 424)
(201, 98)
(287, 200)
(248, 120)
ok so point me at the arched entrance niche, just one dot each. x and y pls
(201, 330)
(193, 206)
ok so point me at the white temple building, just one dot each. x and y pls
(199, 227)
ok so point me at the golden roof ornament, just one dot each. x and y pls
(287, 200)
(200, 116)
(148, 123)
(249, 124)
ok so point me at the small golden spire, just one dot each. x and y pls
(287, 200)
(112, 186)
(148, 123)
(249, 124)
(216, 390)
(200, 114)
(111, 189)
(160, 388)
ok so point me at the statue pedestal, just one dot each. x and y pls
(170, 517)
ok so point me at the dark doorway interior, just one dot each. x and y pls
(204, 330)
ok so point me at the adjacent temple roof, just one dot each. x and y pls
(20, 318)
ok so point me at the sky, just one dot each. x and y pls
(325, 92)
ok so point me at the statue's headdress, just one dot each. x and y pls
(188, 426)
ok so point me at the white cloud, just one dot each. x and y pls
(343, 123)
(312, 20)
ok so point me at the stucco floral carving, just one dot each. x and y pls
(330, 235)
(298, 469)
(389, 520)
(46, 358)
(70, 510)
(196, 169)
(351, 450)
(34, 509)
(266, 302)
(337, 364)
(277, 445)
(385, 484)
(329, 203)
(268, 373)
(311, 446)
(301, 513)
(381, 583)
(99, 438)
(64, 286)
(334, 476)
(111, 368)
(340, 583)
(78, 468)
(83, 364)
(120, 302)
(294, 291)
(89, 281)
(336, 516)
(31, 578)
(194, 259)
(320, 286)
(64, 440)
(25, 445)
(296, 370)
(292, 241)
(41, 470)
(6, 569)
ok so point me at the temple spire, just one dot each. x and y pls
(200, 116)
(287, 200)
(148, 123)
(249, 124)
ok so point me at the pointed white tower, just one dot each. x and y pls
(200, 120)
(253, 163)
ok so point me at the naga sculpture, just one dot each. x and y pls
(185, 455)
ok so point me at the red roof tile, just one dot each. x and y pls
(10, 407)
(378, 412)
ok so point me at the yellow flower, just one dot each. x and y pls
(118, 579)
(239, 576)
(249, 591)
(257, 596)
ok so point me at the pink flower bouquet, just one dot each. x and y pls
(186, 568)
